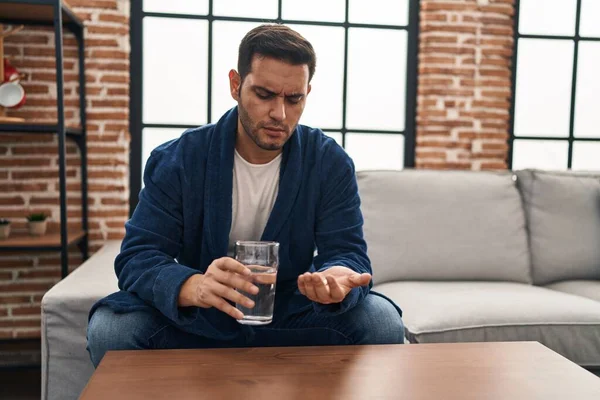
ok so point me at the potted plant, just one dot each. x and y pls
(4, 228)
(37, 224)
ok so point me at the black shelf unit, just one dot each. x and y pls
(57, 14)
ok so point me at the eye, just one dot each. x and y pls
(294, 99)
(263, 95)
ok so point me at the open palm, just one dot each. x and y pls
(332, 285)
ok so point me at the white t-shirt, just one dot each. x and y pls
(255, 188)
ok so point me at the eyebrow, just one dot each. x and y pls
(270, 92)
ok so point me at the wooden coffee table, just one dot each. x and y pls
(505, 370)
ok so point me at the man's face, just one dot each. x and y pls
(271, 100)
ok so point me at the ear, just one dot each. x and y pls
(308, 91)
(235, 82)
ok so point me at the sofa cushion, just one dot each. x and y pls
(66, 365)
(589, 289)
(444, 225)
(499, 311)
(563, 212)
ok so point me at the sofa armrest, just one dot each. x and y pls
(66, 366)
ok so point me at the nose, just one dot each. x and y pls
(278, 109)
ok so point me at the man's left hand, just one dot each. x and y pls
(332, 285)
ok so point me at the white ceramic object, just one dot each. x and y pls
(12, 95)
(4, 231)
(37, 228)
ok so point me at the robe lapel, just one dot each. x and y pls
(218, 185)
(289, 185)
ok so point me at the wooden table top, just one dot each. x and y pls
(504, 370)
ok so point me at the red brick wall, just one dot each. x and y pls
(28, 163)
(464, 84)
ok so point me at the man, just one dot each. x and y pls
(254, 175)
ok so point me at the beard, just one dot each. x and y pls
(253, 130)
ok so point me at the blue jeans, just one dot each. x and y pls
(373, 321)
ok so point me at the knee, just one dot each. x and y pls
(378, 322)
(111, 331)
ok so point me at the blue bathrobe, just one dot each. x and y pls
(183, 219)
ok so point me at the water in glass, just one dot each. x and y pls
(262, 258)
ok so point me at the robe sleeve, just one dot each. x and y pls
(146, 265)
(339, 226)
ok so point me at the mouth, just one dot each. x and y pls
(274, 132)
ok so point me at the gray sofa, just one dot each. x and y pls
(469, 256)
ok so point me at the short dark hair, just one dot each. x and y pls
(277, 41)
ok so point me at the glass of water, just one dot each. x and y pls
(262, 258)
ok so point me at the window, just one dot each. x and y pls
(363, 92)
(556, 118)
